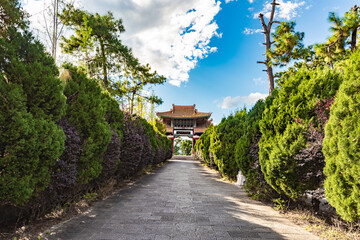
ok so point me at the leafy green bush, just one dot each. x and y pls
(283, 137)
(202, 146)
(25, 62)
(86, 111)
(341, 145)
(113, 115)
(247, 153)
(223, 142)
(32, 100)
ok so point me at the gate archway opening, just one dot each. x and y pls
(185, 121)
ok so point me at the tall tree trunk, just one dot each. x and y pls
(353, 39)
(53, 42)
(54, 33)
(103, 58)
(132, 103)
(354, 32)
(268, 43)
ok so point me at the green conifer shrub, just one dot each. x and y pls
(24, 61)
(341, 145)
(223, 142)
(113, 115)
(86, 111)
(283, 137)
(202, 147)
(247, 153)
(32, 101)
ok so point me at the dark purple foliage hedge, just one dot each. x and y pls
(111, 158)
(131, 153)
(311, 157)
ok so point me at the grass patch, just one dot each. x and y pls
(326, 227)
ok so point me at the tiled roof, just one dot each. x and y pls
(183, 112)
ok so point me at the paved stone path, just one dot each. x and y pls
(182, 200)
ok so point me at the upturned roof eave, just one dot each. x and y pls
(190, 117)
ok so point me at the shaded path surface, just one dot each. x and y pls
(182, 200)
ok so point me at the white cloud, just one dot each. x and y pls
(259, 81)
(227, 1)
(286, 10)
(249, 31)
(240, 101)
(170, 35)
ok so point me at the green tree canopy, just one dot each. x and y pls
(287, 44)
(186, 146)
(97, 37)
(344, 31)
(11, 15)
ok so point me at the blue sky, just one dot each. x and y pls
(207, 48)
(232, 71)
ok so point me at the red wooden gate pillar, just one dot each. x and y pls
(194, 139)
(173, 140)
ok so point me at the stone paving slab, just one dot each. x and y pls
(182, 200)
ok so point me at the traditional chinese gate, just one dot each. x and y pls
(185, 121)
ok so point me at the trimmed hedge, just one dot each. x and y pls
(144, 146)
(95, 146)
